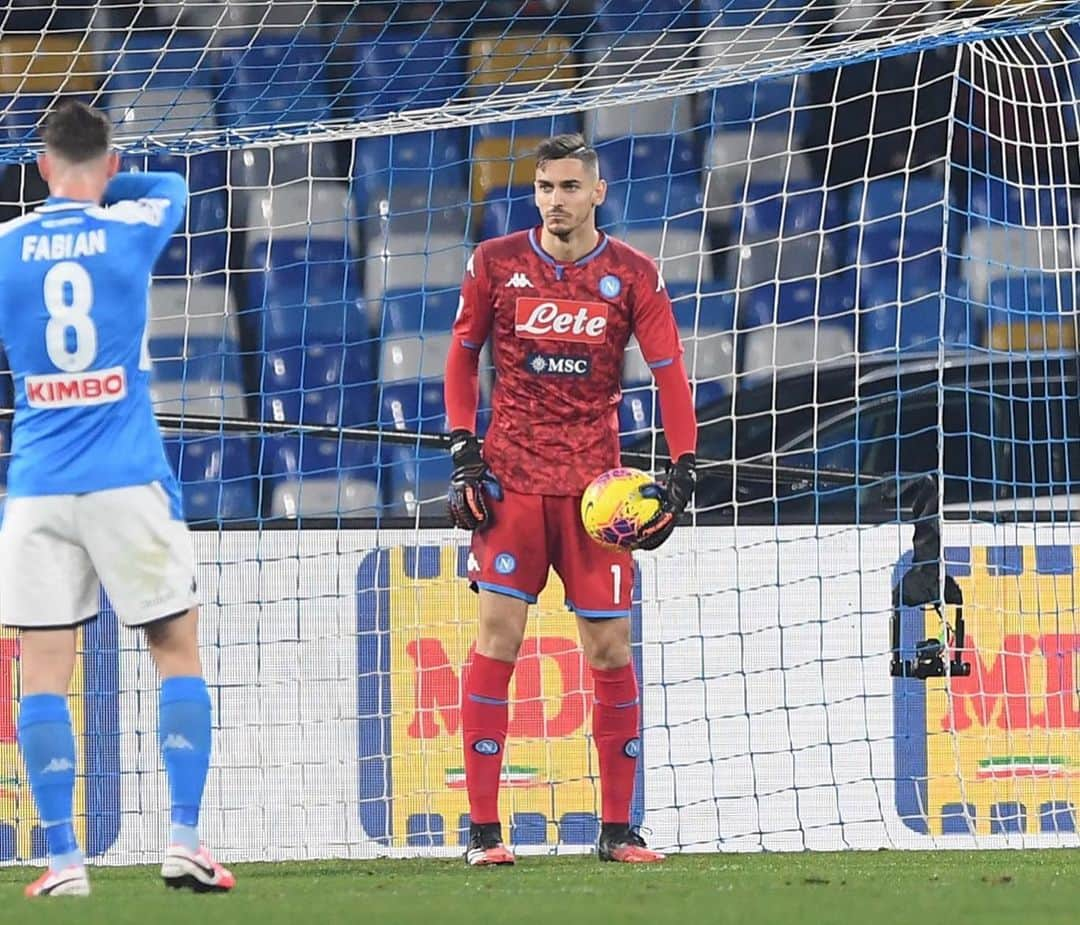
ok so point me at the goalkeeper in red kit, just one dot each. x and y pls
(558, 303)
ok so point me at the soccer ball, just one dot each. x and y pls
(613, 509)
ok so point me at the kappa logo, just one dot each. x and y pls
(57, 765)
(519, 281)
(176, 741)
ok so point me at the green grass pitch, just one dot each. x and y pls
(871, 888)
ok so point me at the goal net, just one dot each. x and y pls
(863, 214)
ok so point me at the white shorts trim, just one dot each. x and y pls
(57, 551)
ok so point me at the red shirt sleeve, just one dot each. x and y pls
(461, 389)
(658, 335)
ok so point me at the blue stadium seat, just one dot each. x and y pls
(1000, 201)
(413, 474)
(655, 202)
(273, 77)
(422, 161)
(537, 127)
(155, 59)
(319, 477)
(409, 311)
(1015, 296)
(320, 385)
(306, 293)
(205, 171)
(895, 205)
(404, 67)
(769, 105)
(772, 210)
(635, 413)
(506, 214)
(648, 156)
(619, 16)
(917, 323)
(217, 476)
(22, 113)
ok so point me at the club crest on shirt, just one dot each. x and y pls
(610, 286)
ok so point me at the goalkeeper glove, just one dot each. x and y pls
(674, 493)
(470, 480)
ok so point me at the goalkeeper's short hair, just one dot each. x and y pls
(570, 144)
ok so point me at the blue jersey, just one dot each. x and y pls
(74, 282)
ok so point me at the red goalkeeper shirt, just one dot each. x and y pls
(558, 333)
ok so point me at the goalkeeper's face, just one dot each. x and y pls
(567, 194)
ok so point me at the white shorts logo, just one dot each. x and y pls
(71, 390)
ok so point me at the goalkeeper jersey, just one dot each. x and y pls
(558, 334)
(74, 281)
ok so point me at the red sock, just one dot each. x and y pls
(484, 715)
(616, 722)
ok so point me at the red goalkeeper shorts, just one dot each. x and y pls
(530, 534)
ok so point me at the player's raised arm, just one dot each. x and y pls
(658, 335)
(154, 200)
(465, 498)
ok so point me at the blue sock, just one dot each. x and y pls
(184, 734)
(48, 748)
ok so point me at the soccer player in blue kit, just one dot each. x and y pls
(91, 497)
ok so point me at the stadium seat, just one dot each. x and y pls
(319, 477)
(155, 59)
(1001, 201)
(506, 214)
(413, 474)
(648, 117)
(502, 164)
(196, 376)
(196, 310)
(773, 104)
(635, 56)
(411, 311)
(647, 156)
(796, 325)
(319, 210)
(636, 413)
(787, 234)
(679, 247)
(305, 292)
(618, 16)
(404, 67)
(48, 65)
(915, 324)
(741, 13)
(899, 206)
(733, 47)
(273, 77)
(320, 384)
(149, 112)
(1033, 312)
(543, 63)
(411, 173)
(736, 158)
(535, 127)
(653, 201)
(257, 168)
(217, 476)
(993, 251)
(435, 261)
(203, 171)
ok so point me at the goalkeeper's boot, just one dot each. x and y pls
(71, 881)
(619, 842)
(195, 870)
(486, 848)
